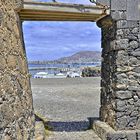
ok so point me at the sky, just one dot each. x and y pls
(46, 40)
(69, 1)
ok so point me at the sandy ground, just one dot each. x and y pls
(67, 104)
(72, 99)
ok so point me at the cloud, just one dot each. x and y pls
(52, 40)
(69, 1)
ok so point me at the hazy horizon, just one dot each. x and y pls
(64, 56)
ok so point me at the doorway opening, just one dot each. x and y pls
(64, 60)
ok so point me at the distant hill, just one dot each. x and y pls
(79, 57)
(82, 56)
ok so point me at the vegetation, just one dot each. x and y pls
(91, 72)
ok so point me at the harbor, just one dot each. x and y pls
(59, 70)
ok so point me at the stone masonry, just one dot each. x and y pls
(120, 97)
(16, 110)
(120, 84)
(120, 93)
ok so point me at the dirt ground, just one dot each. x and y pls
(67, 99)
(67, 104)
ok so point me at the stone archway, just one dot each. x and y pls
(120, 93)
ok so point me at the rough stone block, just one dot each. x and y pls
(139, 30)
(138, 135)
(133, 10)
(136, 53)
(122, 24)
(131, 135)
(104, 2)
(39, 131)
(105, 132)
(1, 17)
(116, 136)
(102, 129)
(118, 4)
(121, 44)
(117, 15)
(131, 24)
(18, 4)
(126, 24)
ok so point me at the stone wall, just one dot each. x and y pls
(120, 92)
(16, 110)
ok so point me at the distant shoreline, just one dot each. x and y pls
(48, 62)
(77, 58)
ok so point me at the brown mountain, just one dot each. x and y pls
(82, 56)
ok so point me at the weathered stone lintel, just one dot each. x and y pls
(61, 12)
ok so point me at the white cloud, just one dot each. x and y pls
(69, 1)
(57, 39)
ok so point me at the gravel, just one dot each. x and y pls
(67, 104)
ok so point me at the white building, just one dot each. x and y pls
(41, 75)
(73, 74)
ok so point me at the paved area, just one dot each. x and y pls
(67, 104)
(85, 135)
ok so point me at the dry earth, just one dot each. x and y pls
(67, 104)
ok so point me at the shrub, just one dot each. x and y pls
(91, 72)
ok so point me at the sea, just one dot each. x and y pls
(57, 68)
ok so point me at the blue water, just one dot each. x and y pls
(72, 65)
(50, 68)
